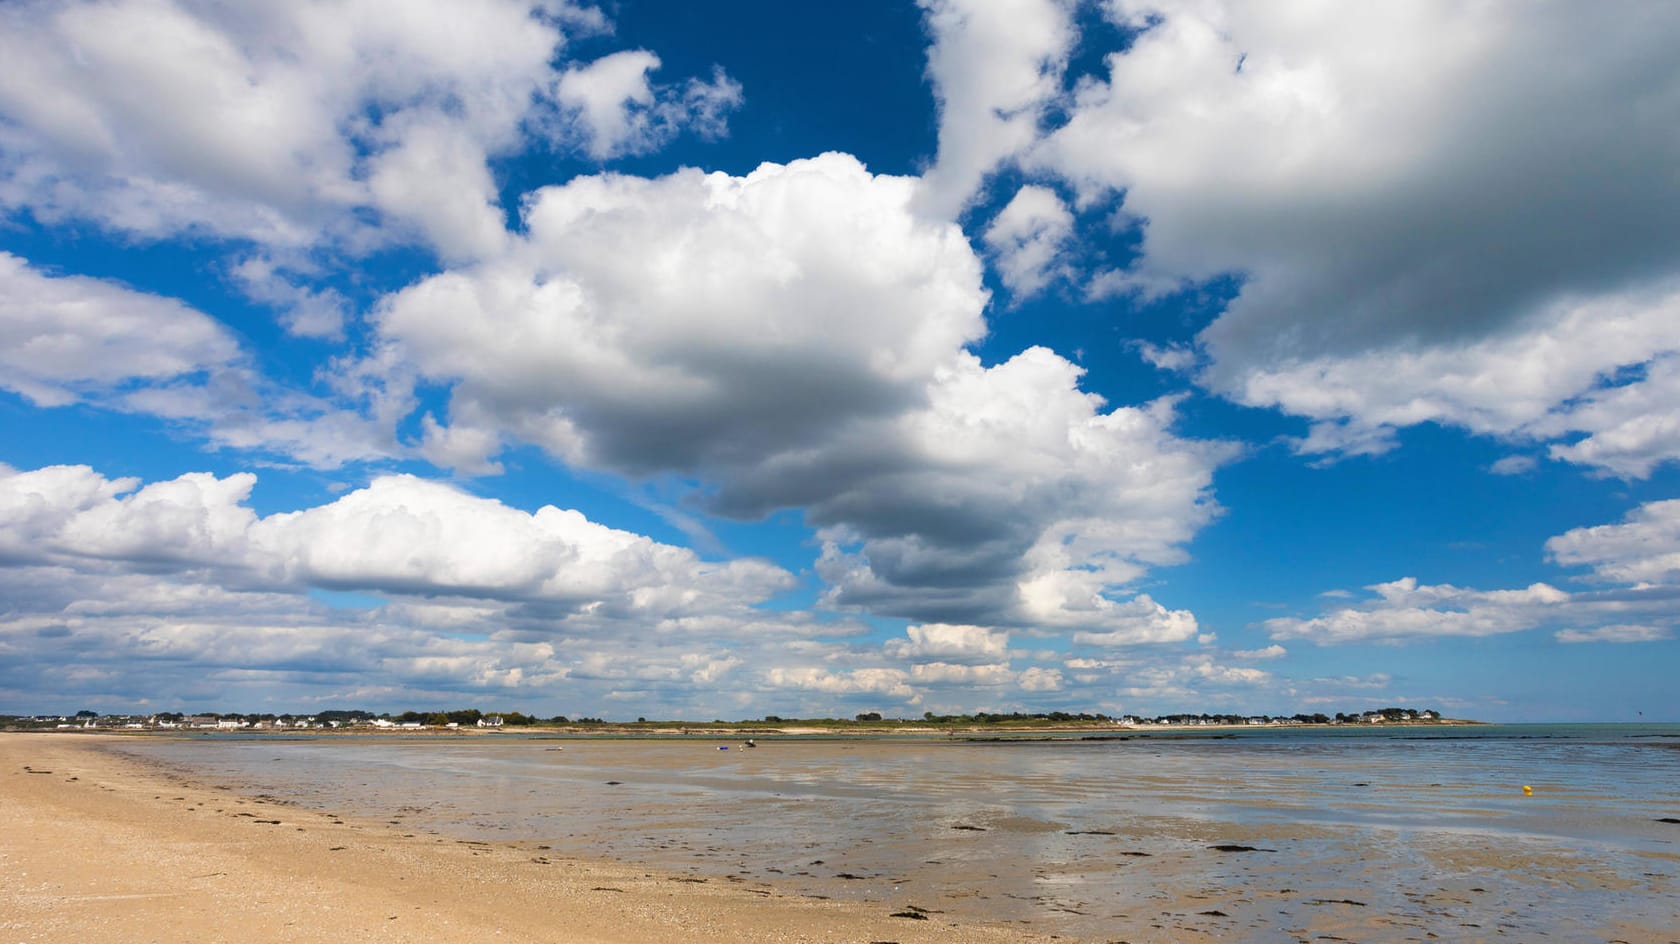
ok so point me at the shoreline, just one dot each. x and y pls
(101, 848)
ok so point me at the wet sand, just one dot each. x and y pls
(97, 849)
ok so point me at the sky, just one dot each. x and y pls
(721, 360)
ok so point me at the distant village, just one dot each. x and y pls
(1383, 716)
(472, 718)
(325, 721)
(1377, 716)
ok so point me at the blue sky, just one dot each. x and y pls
(763, 358)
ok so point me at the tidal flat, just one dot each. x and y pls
(1297, 835)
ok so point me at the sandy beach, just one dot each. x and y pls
(96, 849)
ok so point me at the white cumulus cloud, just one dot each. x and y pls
(642, 322)
(795, 339)
(1405, 252)
(1405, 610)
(63, 338)
(289, 125)
(1644, 549)
(888, 682)
(401, 535)
(942, 642)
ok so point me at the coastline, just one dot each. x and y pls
(101, 848)
(1192, 839)
(742, 730)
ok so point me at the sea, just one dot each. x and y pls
(1366, 833)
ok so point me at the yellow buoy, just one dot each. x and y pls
(1528, 791)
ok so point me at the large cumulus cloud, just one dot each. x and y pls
(795, 338)
(1434, 212)
(1018, 500)
(697, 320)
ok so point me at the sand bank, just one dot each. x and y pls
(96, 848)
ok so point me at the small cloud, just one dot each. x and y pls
(1620, 633)
(303, 311)
(1513, 465)
(1177, 358)
(1207, 639)
(1332, 440)
(1037, 679)
(1028, 237)
(1377, 680)
(621, 112)
(1142, 286)
(1273, 651)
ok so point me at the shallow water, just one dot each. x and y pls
(1360, 835)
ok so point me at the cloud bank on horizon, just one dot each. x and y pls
(360, 354)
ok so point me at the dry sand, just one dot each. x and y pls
(96, 848)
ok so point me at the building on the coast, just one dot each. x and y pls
(490, 721)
